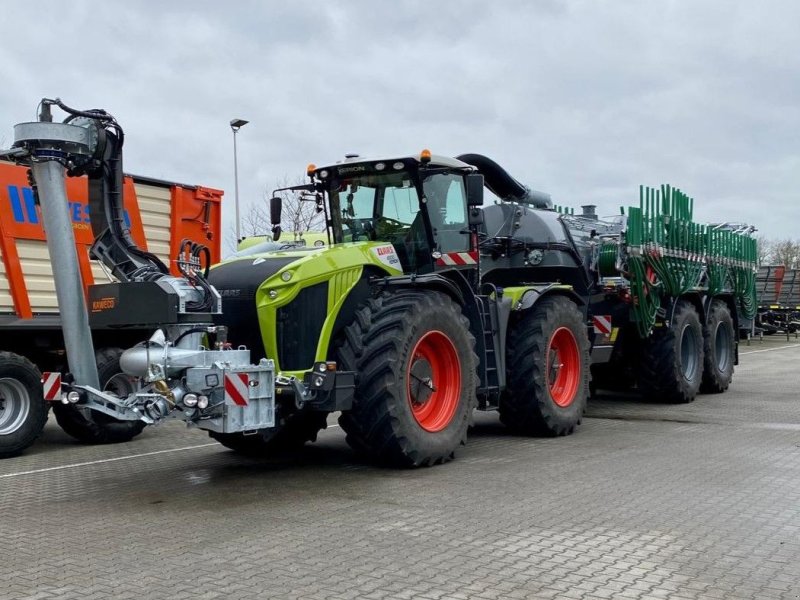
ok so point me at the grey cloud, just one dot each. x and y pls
(583, 99)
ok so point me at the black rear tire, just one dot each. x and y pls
(535, 403)
(92, 427)
(720, 349)
(297, 429)
(23, 411)
(417, 381)
(671, 365)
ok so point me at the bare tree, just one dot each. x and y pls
(786, 252)
(764, 250)
(254, 222)
(299, 214)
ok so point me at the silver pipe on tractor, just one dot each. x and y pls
(50, 147)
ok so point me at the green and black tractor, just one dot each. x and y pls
(425, 305)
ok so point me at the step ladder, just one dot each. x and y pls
(489, 392)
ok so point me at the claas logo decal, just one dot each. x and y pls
(24, 209)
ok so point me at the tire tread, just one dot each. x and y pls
(372, 348)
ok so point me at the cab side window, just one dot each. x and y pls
(447, 207)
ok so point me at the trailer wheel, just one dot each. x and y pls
(671, 365)
(23, 411)
(548, 370)
(298, 429)
(92, 427)
(416, 388)
(719, 345)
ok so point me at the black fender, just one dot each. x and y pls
(530, 297)
(454, 284)
(430, 281)
(372, 283)
(698, 301)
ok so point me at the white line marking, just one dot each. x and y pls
(771, 349)
(106, 460)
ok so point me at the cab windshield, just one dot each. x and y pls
(386, 207)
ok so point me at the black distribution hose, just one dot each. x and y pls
(502, 184)
(497, 179)
(119, 249)
(112, 174)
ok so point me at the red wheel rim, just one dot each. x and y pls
(563, 367)
(433, 381)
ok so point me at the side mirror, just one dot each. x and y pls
(275, 207)
(474, 184)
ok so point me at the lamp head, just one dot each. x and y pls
(236, 124)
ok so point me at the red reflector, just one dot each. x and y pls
(51, 386)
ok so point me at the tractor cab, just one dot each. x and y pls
(419, 204)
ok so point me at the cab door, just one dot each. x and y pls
(446, 200)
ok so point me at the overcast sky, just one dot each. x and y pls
(584, 99)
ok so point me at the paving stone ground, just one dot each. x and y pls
(645, 501)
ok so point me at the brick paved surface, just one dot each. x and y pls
(645, 501)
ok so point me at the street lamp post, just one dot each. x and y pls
(236, 124)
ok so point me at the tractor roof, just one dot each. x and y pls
(435, 159)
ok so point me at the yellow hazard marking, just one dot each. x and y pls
(614, 333)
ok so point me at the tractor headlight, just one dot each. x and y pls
(286, 275)
(202, 402)
(190, 400)
(272, 294)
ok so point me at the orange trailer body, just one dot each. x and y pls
(159, 215)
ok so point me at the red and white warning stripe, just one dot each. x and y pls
(51, 386)
(237, 388)
(602, 324)
(458, 258)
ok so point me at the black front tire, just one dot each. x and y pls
(295, 431)
(534, 403)
(23, 411)
(92, 427)
(392, 346)
(720, 349)
(671, 365)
